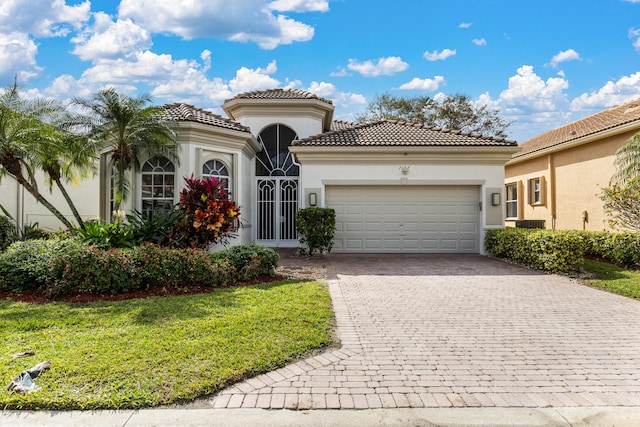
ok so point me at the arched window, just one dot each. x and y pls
(158, 185)
(275, 158)
(216, 169)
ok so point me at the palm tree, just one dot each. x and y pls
(71, 157)
(129, 130)
(627, 161)
(25, 126)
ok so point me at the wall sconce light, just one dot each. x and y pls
(495, 199)
(313, 199)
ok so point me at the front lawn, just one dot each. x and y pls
(613, 279)
(160, 350)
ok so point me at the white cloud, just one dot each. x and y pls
(564, 56)
(42, 18)
(17, 57)
(634, 35)
(340, 99)
(479, 42)
(237, 20)
(323, 89)
(439, 56)
(611, 94)
(384, 66)
(342, 72)
(108, 39)
(299, 5)
(465, 24)
(423, 84)
(529, 92)
(247, 79)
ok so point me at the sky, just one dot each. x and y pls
(540, 63)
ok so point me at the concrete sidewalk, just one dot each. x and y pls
(477, 417)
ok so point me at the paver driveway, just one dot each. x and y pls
(459, 330)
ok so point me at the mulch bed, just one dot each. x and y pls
(39, 297)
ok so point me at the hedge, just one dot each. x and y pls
(547, 250)
(562, 250)
(68, 267)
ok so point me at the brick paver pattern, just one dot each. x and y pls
(459, 331)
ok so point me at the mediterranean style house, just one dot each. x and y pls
(395, 186)
(555, 180)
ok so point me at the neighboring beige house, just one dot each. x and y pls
(395, 186)
(556, 178)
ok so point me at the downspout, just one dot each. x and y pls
(552, 189)
(20, 207)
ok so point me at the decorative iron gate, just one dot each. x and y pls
(277, 207)
(276, 188)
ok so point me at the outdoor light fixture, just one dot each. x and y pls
(495, 199)
(313, 199)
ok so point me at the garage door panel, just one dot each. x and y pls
(353, 226)
(410, 218)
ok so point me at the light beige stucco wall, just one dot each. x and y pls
(574, 180)
(24, 208)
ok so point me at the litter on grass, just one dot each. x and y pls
(23, 383)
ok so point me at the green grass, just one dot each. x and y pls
(613, 279)
(161, 350)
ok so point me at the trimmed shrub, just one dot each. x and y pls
(249, 261)
(95, 271)
(548, 250)
(179, 267)
(620, 248)
(316, 228)
(27, 265)
(7, 232)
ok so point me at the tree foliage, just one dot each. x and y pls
(129, 128)
(627, 161)
(29, 138)
(622, 204)
(456, 112)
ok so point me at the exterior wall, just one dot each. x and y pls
(574, 179)
(521, 174)
(23, 207)
(316, 176)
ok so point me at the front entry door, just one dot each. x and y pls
(277, 207)
(276, 188)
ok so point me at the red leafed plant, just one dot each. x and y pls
(210, 217)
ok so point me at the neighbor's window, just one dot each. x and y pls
(512, 200)
(158, 183)
(536, 191)
(216, 169)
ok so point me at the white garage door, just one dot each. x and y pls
(436, 219)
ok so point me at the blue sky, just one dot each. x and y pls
(542, 63)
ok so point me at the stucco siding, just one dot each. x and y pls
(574, 178)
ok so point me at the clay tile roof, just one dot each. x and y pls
(280, 94)
(604, 120)
(341, 124)
(389, 133)
(189, 113)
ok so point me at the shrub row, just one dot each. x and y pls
(562, 250)
(620, 248)
(548, 250)
(62, 267)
